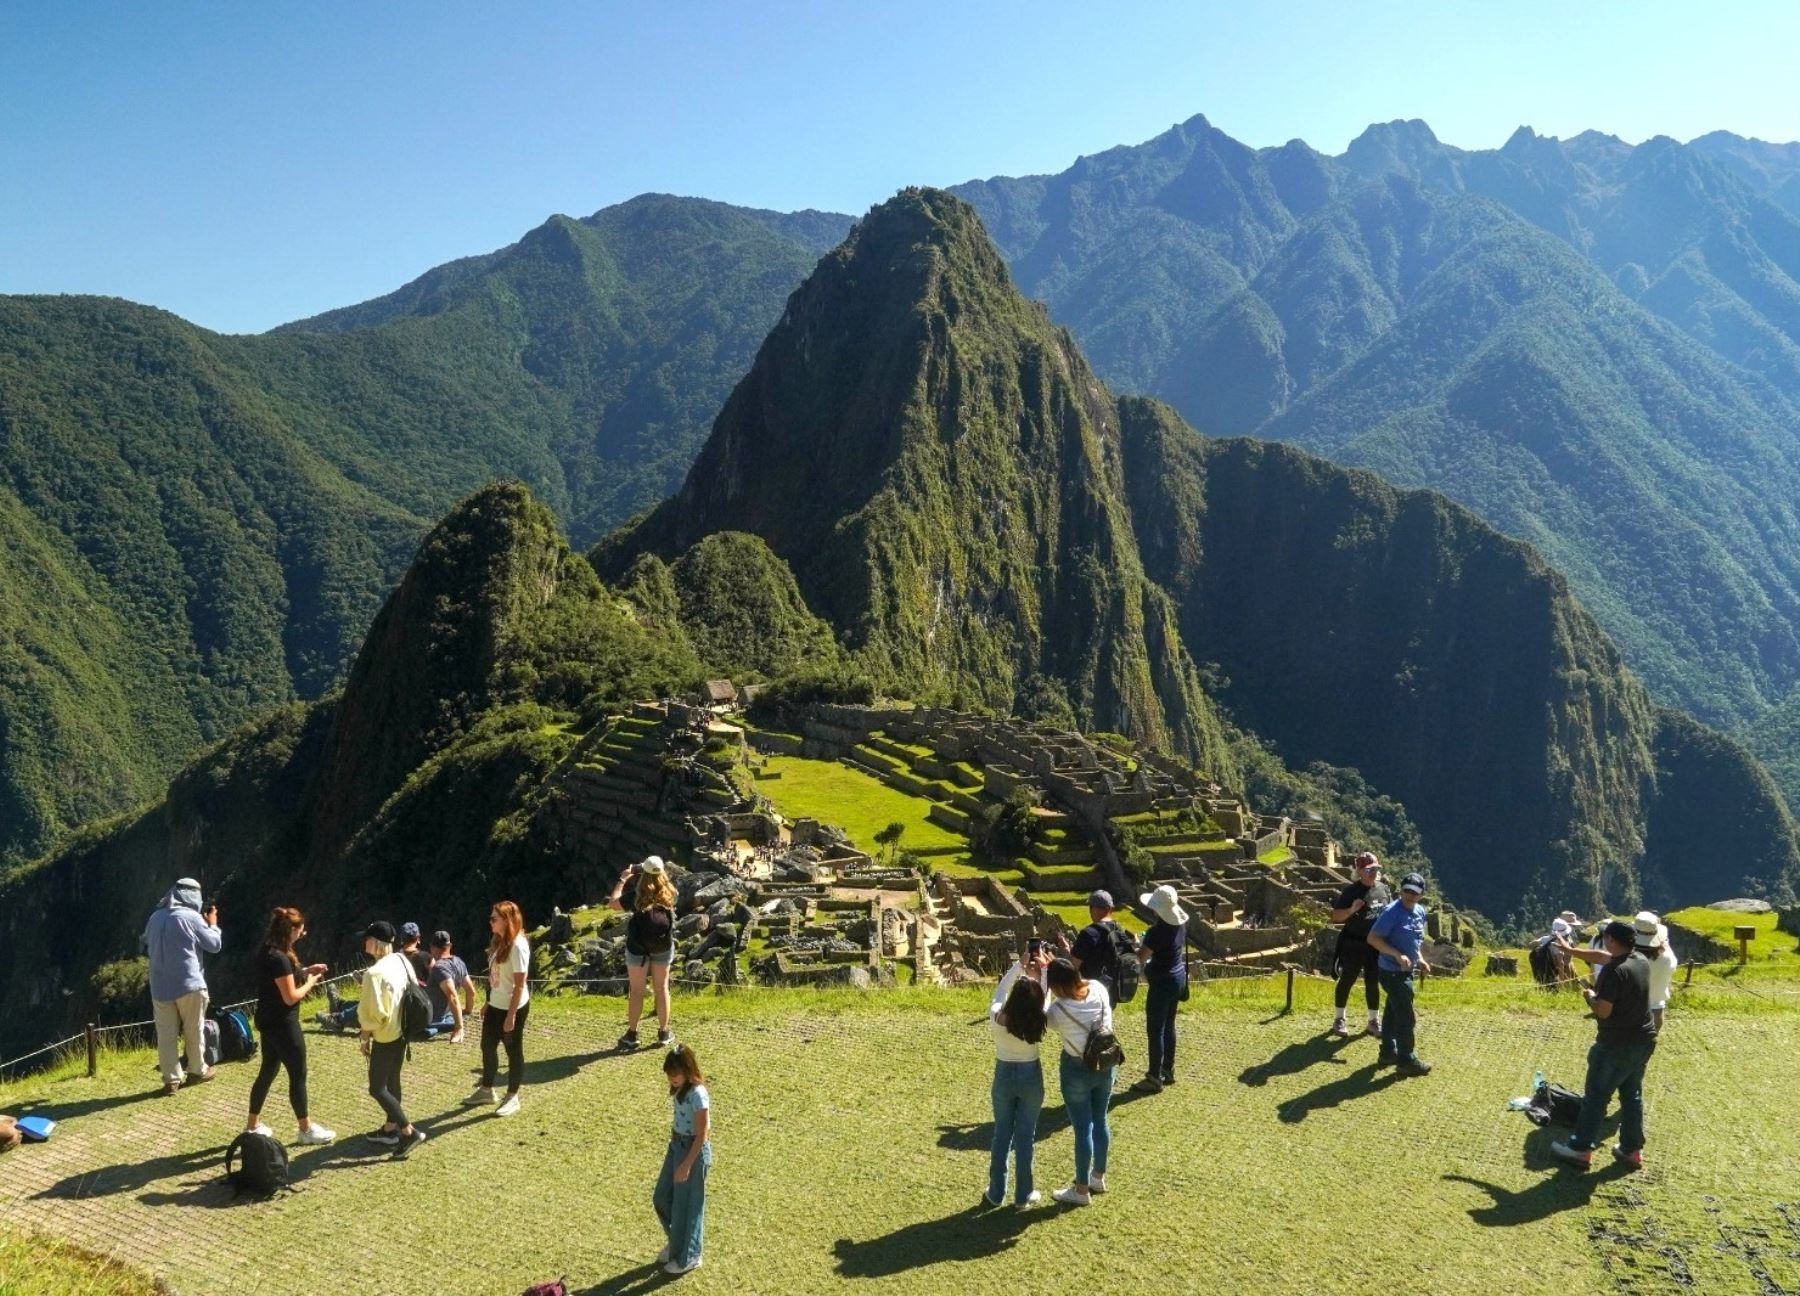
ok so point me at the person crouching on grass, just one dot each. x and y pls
(680, 1196)
(1625, 1038)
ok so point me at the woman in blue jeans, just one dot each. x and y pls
(1078, 1008)
(1164, 951)
(680, 1196)
(1018, 1091)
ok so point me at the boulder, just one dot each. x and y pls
(1502, 965)
(561, 930)
(691, 925)
(724, 888)
(1746, 906)
(1445, 959)
(695, 970)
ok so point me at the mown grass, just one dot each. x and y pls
(1771, 946)
(33, 1265)
(851, 1145)
(853, 799)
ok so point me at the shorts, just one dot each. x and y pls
(641, 960)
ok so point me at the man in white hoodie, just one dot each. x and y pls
(178, 933)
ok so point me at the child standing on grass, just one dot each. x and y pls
(680, 1196)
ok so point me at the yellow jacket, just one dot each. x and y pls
(378, 1011)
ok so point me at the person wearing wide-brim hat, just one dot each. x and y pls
(1164, 953)
(1651, 939)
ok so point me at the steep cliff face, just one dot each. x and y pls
(939, 467)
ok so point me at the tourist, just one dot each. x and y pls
(508, 1005)
(450, 988)
(1651, 939)
(178, 933)
(680, 1196)
(1079, 1008)
(649, 944)
(1356, 908)
(1017, 1023)
(383, 1042)
(1624, 1039)
(409, 947)
(281, 983)
(1096, 948)
(1398, 936)
(1165, 977)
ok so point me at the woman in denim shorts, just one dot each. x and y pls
(649, 944)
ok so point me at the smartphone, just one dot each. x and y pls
(1034, 947)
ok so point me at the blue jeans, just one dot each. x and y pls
(1160, 1000)
(682, 1207)
(1085, 1095)
(1614, 1068)
(1397, 1016)
(1018, 1098)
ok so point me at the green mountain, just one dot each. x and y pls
(1591, 345)
(198, 527)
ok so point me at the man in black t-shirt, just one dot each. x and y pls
(1624, 1039)
(1094, 951)
(409, 946)
(1357, 907)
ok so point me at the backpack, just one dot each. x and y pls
(262, 1164)
(415, 1011)
(1102, 1050)
(209, 1047)
(558, 1288)
(1551, 1104)
(650, 931)
(237, 1042)
(1127, 971)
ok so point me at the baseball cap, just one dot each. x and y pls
(381, 931)
(409, 931)
(1414, 882)
(1620, 930)
(440, 940)
(653, 865)
(1101, 900)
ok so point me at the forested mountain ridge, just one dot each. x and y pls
(199, 527)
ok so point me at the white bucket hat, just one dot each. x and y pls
(1558, 927)
(1164, 904)
(1649, 929)
(1568, 916)
(652, 866)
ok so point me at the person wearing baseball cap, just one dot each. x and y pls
(450, 988)
(1624, 1040)
(1357, 907)
(1398, 936)
(383, 1042)
(409, 946)
(1101, 944)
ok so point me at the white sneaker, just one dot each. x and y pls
(1031, 1199)
(673, 1268)
(1073, 1195)
(260, 1128)
(482, 1097)
(508, 1108)
(662, 1257)
(315, 1135)
(1338, 1027)
(1097, 1183)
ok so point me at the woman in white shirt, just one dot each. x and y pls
(1078, 1008)
(508, 1005)
(1016, 1018)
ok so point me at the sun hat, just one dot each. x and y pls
(1620, 930)
(1649, 929)
(1164, 904)
(653, 865)
(1414, 882)
(1367, 859)
(1568, 916)
(381, 931)
(1559, 928)
(1101, 900)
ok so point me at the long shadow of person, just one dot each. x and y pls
(1296, 1058)
(1563, 1188)
(969, 1234)
(644, 1278)
(129, 1176)
(1359, 1083)
(74, 1109)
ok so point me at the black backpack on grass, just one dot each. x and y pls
(262, 1164)
(1551, 1104)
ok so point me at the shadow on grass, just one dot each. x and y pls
(129, 1176)
(1358, 1084)
(1052, 1121)
(74, 1110)
(1564, 1188)
(646, 1277)
(970, 1234)
(1296, 1058)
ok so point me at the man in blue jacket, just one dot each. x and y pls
(178, 933)
(1399, 936)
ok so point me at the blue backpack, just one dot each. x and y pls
(237, 1042)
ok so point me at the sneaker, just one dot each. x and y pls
(260, 1128)
(315, 1135)
(407, 1144)
(1168, 1080)
(992, 1201)
(482, 1097)
(1414, 1067)
(627, 1041)
(1097, 1183)
(1032, 1198)
(1338, 1028)
(508, 1108)
(387, 1138)
(1149, 1084)
(202, 1078)
(1073, 1195)
(1373, 1028)
(1633, 1159)
(677, 1268)
(664, 1038)
(1581, 1157)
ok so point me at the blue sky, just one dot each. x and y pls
(247, 163)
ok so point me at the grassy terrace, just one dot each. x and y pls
(855, 800)
(835, 1164)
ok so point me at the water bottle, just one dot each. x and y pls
(1537, 1081)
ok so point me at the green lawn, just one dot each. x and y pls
(1772, 946)
(1282, 1163)
(32, 1265)
(853, 799)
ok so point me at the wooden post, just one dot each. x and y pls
(93, 1050)
(1744, 936)
(1290, 990)
(1688, 979)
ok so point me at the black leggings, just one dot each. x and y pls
(385, 1061)
(1357, 958)
(493, 1022)
(283, 1045)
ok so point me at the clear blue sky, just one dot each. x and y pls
(245, 163)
